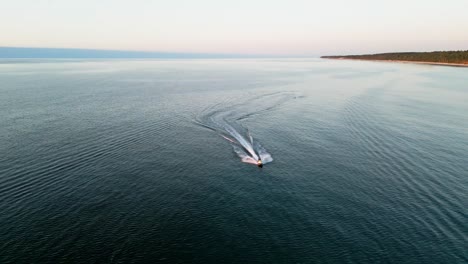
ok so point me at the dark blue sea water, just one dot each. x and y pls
(104, 161)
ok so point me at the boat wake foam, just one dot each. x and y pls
(226, 121)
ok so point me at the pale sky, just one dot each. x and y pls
(293, 27)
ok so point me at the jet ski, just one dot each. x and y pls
(259, 163)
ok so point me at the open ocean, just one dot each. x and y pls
(105, 161)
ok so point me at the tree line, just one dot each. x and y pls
(460, 56)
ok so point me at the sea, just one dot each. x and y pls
(117, 161)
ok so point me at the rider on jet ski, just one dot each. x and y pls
(259, 163)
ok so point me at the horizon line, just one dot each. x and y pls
(11, 52)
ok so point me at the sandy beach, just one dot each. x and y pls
(412, 62)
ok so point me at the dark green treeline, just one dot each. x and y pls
(435, 56)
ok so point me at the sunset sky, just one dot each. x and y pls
(293, 27)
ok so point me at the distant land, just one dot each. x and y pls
(449, 58)
(20, 52)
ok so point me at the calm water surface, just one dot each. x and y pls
(104, 162)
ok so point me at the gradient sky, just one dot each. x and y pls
(294, 27)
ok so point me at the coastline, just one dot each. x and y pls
(403, 61)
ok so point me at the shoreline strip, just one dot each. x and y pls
(403, 61)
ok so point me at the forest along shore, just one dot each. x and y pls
(443, 58)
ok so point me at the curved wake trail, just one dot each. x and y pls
(225, 122)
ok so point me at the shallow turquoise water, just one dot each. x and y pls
(102, 161)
